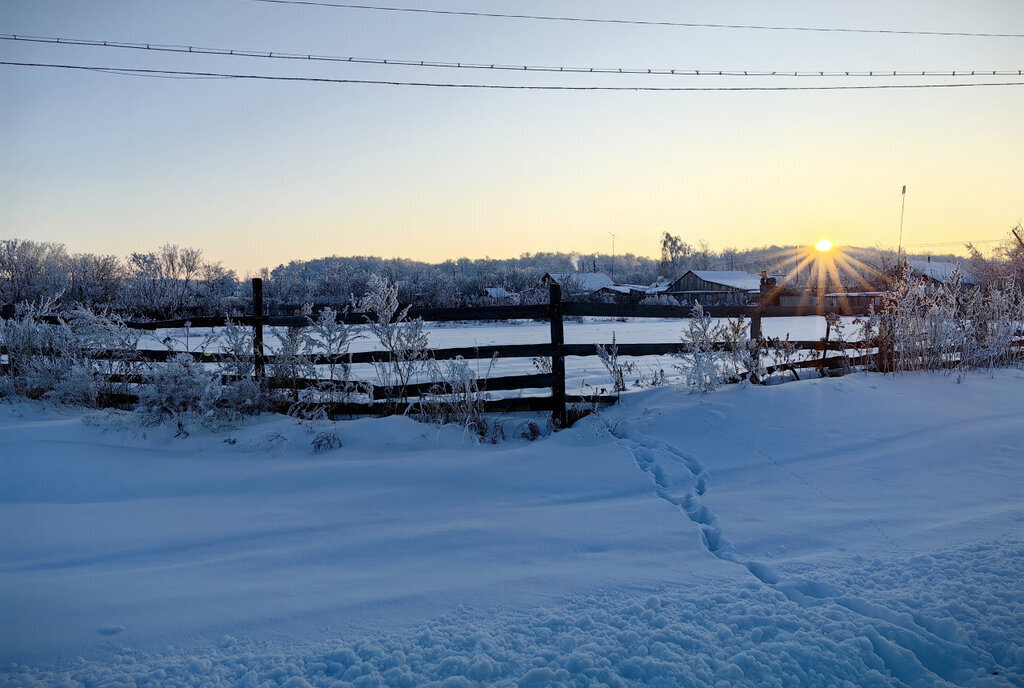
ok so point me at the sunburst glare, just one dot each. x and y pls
(811, 272)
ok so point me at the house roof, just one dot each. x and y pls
(940, 270)
(735, 279)
(499, 292)
(657, 288)
(586, 281)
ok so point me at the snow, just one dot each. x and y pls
(731, 278)
(940, 270)
(860, 531)
(583, 374)
(585, 282)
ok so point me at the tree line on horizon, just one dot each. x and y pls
(174, 282)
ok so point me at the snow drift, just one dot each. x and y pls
(857, 531)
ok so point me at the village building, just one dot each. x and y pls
(937, 272)
(716, 288)
(578, 283)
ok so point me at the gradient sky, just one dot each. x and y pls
(260, 173)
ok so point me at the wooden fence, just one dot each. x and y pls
(558, 402)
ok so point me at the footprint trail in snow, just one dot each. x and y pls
(915, 649)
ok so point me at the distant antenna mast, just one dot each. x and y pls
(903, 205)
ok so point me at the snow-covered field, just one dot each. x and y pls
(860, 531)
(584, 375)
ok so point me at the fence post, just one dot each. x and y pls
(558, 415)
(257, 329)
(755, 326)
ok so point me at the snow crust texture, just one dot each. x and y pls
(866, 531)
(955, 617)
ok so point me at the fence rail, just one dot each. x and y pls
(398, 397)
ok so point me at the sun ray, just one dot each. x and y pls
(788, 279)
(796, 256)
(860, 265)
(819, 287)
(839, 289)
(850, 267)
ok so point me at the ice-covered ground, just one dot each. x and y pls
(861, 531)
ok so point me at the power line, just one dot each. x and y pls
(637, 22)
(634, 71)
(130, 71)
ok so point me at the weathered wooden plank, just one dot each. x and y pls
(494, 384)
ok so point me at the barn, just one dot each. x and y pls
(716, 288)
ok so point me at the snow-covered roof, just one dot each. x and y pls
(737, 279)
(621, 288)
(939, 270)
(628, 288)
(657, 288)
(499, 292)
(584, 281)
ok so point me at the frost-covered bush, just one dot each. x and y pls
(455, 397)
(660, 300)
(835, 339)
(743, 355)
(953, 326)
(178, 391)
(697, 359)
(403, 339)
(241, 391)
(332, 339)
(47, 359)
(783, 352)
(290, 364)
(610, 358)
(113, 347)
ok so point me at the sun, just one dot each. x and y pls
(814, 271)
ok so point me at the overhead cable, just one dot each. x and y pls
(130, 71)
(639, 22)
(633, 71)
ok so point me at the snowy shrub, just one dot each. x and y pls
(241, 392)
(324, 442)
(783, 352)
(290, 365)
(743, 355)
(333, 338)
(610, 358)
(46, 359)
(114, 345)
(647, 377)
(660, 300)
(403, 339)
(529, 431)
(178, 391)
(835, 340)
(697, 359)
(455, 397)
(542, 364)
(952, 326)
